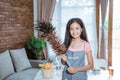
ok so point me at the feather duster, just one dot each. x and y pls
(49, 33)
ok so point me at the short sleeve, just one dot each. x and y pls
(87, 47)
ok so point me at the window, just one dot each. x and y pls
(116, 32)
(84, 9)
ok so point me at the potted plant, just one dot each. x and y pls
(35, 46)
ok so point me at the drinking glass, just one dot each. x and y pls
(111, 71)
(58, 67)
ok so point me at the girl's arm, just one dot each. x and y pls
(84, 68)
(90, 64)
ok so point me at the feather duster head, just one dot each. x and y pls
(45, 27)
(48, 31)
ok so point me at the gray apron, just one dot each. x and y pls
(76, 59)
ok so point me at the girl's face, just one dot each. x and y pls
(75, 30)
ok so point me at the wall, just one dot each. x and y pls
(16, 23)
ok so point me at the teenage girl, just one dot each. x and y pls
(78, 47)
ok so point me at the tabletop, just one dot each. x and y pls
(102, 75)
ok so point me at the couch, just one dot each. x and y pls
(15, 65)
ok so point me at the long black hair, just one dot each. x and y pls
(68, 37)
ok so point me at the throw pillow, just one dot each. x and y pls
(6, 66)
(20, 59)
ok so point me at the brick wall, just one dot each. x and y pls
(16, 23)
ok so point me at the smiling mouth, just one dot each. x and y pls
(75, 34)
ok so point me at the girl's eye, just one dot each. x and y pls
(77, 28)
(71, 28)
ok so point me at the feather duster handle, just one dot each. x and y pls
(50, 34)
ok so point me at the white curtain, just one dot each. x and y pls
(66, 9)
(102, 48)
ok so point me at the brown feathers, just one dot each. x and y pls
(50, 34)
(45, 27)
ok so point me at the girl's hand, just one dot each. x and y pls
(72, 70)
(64, 57)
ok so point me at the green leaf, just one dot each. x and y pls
(33, 40)
(42, 42)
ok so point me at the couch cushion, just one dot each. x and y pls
(24, 75)
(6, 66)
(20, 59)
